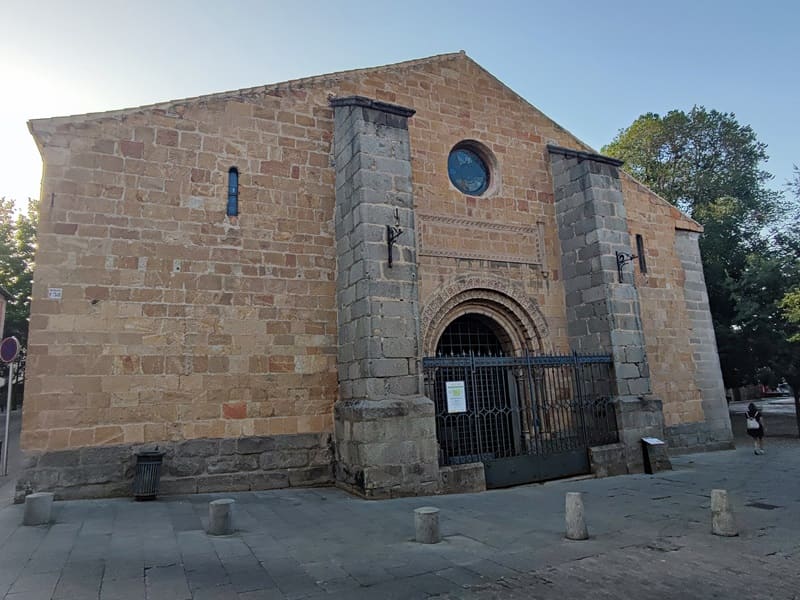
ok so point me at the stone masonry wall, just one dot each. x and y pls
(665, 321)
(176, 323)
(191, 466)
(602, 312)
(715, 431)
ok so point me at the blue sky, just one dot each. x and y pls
(591, 66)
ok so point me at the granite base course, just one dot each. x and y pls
(190, 466)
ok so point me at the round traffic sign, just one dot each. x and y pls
(9, 348)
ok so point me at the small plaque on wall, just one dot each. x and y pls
(456, 397)
(54, 293)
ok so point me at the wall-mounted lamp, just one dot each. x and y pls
(392, 233)
(623, 258)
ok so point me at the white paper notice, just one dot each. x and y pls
(456, 397)
(54, 293)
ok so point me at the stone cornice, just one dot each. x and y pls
(393, 109)
(584, 155)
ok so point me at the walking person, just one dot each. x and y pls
(755, 428)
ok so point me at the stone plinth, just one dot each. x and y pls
(462, 479)
(637, 417)
(387, 448)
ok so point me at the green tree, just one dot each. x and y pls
(693, 159)
(709, 166)
(17, 249)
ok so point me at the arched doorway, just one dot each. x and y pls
(526, 417)
(486, 424)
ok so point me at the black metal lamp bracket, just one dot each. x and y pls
(392, 233)
(623, 258)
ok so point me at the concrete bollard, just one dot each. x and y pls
(220, 516)
(576, 524)
(426, 525)
(38, 507)
(722, 521)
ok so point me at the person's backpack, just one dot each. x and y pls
(752, 422)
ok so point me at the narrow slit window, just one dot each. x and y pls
(640, 253)
(233, 192)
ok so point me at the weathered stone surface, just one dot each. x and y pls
(656, 458)
(65, 458)
(574, 517)
(188, 467)
(253, 445)
(608, 460)
(637, 417)
(462, 479)
(184, 466)
(107, 454)
(316, 475)
(197, 448)
(723, 522)
(185, 485)
(269, 481)
(38, 507)
(220, 516)
(426, 525)
(223, 483)
(373, 461)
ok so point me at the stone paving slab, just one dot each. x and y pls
(650, 538)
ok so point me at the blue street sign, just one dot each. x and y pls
(9, 348)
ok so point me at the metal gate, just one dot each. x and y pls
(527, 418)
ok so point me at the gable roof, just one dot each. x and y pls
(683, 221)
(249, 91)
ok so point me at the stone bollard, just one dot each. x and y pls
(220, 516)
(426, 525)
(722, 521)
(576, 524)
(37, 508)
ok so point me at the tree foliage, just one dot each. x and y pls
(710, 166)
(17, 249)
(693, 159)
(788, 357)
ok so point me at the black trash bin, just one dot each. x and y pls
(148, 473)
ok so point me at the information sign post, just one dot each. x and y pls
(9, 349)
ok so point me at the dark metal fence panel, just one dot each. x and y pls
(526, 405)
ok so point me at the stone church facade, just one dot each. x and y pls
(251, 281)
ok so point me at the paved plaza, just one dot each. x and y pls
(650, 538)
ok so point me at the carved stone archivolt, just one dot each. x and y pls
(522, 322)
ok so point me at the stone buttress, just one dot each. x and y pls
(603, 313)
(384, 427)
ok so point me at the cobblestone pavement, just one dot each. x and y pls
(650, 538)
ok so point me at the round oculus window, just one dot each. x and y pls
(468, 171)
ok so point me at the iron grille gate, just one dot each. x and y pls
(528, 418)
